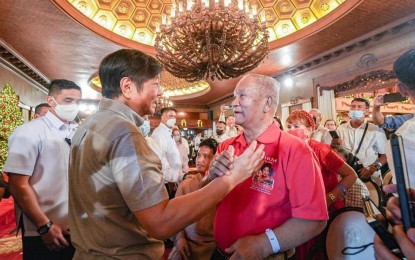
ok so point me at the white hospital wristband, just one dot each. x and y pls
(273, 240)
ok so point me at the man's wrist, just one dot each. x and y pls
(43, 229)
(377, 165)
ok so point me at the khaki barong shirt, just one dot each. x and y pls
(112, 174)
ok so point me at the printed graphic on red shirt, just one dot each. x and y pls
(263, 179)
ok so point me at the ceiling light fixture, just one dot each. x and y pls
(216, 39)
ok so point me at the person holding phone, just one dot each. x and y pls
(406, 240)
(404, 68)
(389, 122)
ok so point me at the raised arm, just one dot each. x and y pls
(168, 217)
(377, 116)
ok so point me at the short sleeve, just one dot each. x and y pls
(23, 151)
(137, 172)
(305, 185)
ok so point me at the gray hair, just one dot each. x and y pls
(266, 85)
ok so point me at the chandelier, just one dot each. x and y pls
(162, 102)
(205, 39)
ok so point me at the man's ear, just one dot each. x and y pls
(403, 90)
(268, 103)
(126, 85)
(50, 101)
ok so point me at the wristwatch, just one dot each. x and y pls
(45, 228)
(377, 165)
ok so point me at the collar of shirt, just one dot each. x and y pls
(55, 122)
(348, 125)
(270, 135)
(121, 109)
(165, 128)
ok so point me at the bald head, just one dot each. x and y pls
(315, 113)
(264, 86)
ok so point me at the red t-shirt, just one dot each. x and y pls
(293, 187)
(330, 162)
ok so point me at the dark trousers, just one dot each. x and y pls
(35, 249)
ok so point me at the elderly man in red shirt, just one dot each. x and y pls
(258, 219)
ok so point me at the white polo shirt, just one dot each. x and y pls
(374, 142)
(38, 149)
(172, 167)
(407, 131)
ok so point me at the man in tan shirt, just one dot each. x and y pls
(118, 205)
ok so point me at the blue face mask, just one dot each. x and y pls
(356, 114)
(145, 128)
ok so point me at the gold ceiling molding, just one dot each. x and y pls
(369, 81)
(174, 88)
(132, 23)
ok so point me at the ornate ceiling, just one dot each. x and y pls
(136, 20)
(126, 21)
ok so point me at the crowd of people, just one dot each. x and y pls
(107, 188)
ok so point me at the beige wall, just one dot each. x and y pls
(344, 67)
(29, 95)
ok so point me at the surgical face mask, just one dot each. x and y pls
(176, 138)
(66, 112)
(356, 114)
(298, 132)
(171, 122)
(219, 131)
(145, 128)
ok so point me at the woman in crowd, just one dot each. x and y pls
(301, 124)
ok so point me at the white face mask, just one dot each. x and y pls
(145, 128)
(356, 114)
(171, 122)
(176, 138)
(66, 112)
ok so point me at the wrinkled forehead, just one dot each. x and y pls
(245, 86)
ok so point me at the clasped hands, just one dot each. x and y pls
(242, 166)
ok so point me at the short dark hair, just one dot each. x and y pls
(57, 85)
(136, 65)
(221, 122)
(38, 107)
(167, 109)
(211, 143)
(330, 120)
(404, 68)
(362, 100)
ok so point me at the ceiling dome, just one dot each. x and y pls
(132, 23)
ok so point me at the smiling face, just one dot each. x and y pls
(144, 102)
(265, 173)
(247, 103)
